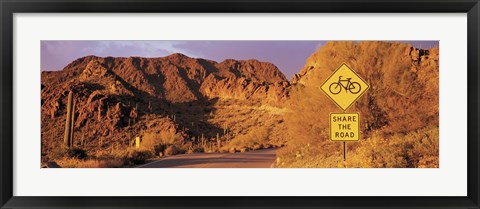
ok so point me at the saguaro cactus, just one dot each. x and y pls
(72, 124)
(135, 115)
(68, 137)
(82, 141)
(225, 129)
(99, 113)
(129, 134)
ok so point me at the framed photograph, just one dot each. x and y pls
(239, 104)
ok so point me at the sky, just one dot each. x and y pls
(288, 56)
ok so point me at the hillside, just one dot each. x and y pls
(189, 100)
(399, 113)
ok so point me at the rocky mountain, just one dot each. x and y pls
(115, 96)
(175, 78)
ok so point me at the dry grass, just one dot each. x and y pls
(150, 140)
(417, 149)
(111, 157)
(254, 139)
(90, 163)
(273, 109)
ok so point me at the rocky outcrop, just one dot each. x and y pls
(116, 97)
(175, 78)
(334, 51)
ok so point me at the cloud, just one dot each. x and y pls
(57, 54)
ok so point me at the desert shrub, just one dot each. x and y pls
(416, 149)
(135, 157)
(110, 153)
(65, 152)
(149, 140)
(159, 149)
(255, 138)
(424, 152)
(171, 150)
(158, 143)
(77, 153)
(307, 120)
(57, 153)
(198, 149)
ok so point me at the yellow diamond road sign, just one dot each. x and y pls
(344, 87)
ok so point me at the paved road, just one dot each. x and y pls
(253, 159)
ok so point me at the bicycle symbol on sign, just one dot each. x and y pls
(353, 87)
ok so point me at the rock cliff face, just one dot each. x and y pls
(369, 55)
(115, 94)
(175, 78)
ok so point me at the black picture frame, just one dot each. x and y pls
(9, 7)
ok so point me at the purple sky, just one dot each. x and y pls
(288, 56)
